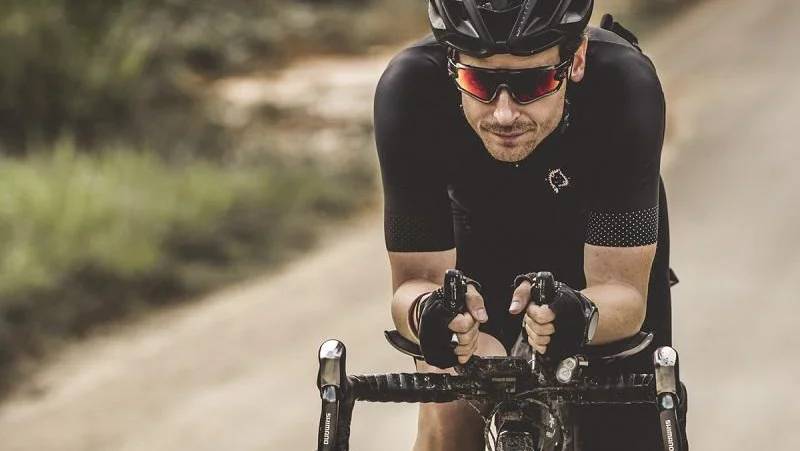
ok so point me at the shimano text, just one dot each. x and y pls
(670, 441)
(326, 435)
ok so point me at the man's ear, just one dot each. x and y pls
(579, 62)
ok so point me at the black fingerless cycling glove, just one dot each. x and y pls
(434, 335)
(573, 317)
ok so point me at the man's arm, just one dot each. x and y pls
(622, 227)
(415, 273)
(623, 222)
(418, 221)
(418, 273)
(616, 281)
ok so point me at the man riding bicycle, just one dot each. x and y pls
(518, 139)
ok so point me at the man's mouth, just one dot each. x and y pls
(508, 136)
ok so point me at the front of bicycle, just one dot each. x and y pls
(531, 398)
(527, 414)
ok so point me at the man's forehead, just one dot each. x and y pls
(548, 57)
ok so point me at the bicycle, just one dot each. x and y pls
(531, 397)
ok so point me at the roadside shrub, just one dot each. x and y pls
(87, 240)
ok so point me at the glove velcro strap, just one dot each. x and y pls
(413, 315)
(571, 323)
(419, 304)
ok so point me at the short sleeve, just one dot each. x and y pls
(623, 206)
(417, 214)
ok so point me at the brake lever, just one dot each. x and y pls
(455, 293)
(330, 380)
(543, 290)
(665, 360)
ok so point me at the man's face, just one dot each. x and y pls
(511, 131)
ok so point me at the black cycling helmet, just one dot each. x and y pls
(482, 28)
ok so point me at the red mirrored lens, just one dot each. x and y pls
(476, 82)
(525, 85)
(532, 85)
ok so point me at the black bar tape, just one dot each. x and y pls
(403, 387)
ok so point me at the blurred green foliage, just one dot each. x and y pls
(89, 239)
(120, 185)
(136, 71)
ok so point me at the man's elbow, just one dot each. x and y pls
(636, 316)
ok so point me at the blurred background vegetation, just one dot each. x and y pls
(123, 187)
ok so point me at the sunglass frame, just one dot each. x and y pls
(561, 73)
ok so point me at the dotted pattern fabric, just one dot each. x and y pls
(623, 229)
(415, 234)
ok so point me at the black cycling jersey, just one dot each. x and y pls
(594, 181)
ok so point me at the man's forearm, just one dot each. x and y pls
(622, 310)
(404, 296)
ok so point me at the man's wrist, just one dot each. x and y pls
(592, 315)
(588, 310)
(414, 312)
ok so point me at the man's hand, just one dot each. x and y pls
(465, 325)
(560, 328)
(538, 321)
(438, 322)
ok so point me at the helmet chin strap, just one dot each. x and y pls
(564, 124)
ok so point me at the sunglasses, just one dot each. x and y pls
(525, 85)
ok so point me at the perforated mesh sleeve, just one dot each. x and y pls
(417, 234)
(627, 229)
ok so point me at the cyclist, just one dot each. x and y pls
(516, 138)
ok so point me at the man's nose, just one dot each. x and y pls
(506, 111)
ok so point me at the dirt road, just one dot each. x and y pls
(236, 372)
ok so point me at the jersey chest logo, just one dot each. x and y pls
(558, 180)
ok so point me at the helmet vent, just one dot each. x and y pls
(571, 17)
(500, 6)
(437, 22)
(500, 23)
